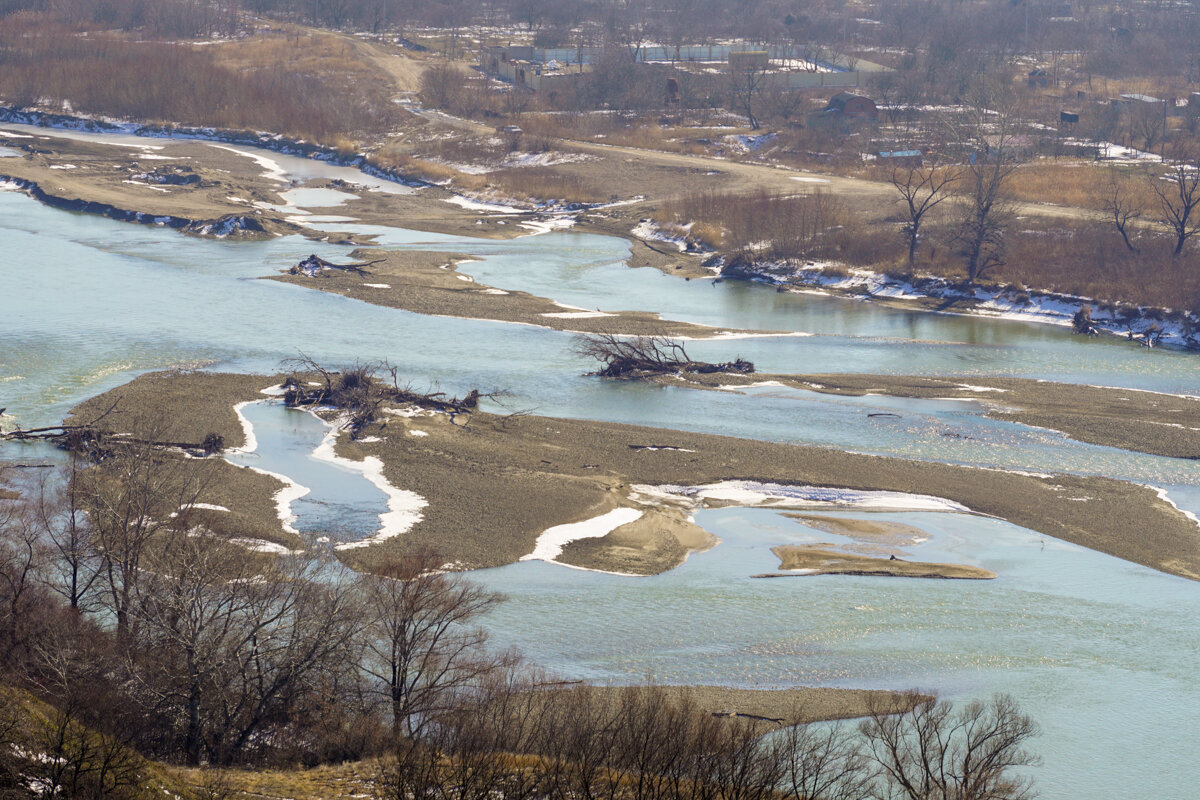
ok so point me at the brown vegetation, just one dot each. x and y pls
(303, 86)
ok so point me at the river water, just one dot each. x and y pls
(1101, 652)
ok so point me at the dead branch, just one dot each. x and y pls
(314, 265)
(643, 356)
(362, 393)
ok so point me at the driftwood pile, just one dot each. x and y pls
(362, 393)
(314, 265)
(97, 443)
(646, 356)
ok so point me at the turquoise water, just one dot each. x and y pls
(1102, 652)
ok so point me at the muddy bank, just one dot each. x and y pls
(821, 560)
(428, 283)
(791, 706)
(1145, 422)
(208, 188)
(494, 484)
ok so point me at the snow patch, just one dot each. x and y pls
(775, 495)
(550, 543)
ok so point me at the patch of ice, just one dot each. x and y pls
(262, 546)
(404, 507)
(775, 495)
(63, 166)
(968, 387)
(476, 205)
(577, 314)
(550, 543)
(378, 285)
(809, 179)
(272, 170)
(418, 433)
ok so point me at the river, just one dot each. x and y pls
(1100, 651)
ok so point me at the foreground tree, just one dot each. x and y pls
(939, 752)
(423, 647)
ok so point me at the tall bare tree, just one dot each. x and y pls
(423, 644)
(939, 752)
(921, 189)
(989, 129)
(1122, 207)
(1178, 195)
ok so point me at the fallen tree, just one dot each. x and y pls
(97, 442)
(315, 265)
(645, 356)
(362, 392)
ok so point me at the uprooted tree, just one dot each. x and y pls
(362, 391)
(644, 356)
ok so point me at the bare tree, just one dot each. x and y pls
(647, 355)
(133, 498)
(1178, 195)
(228, 645)
(938, 752)
(422, 644)
(922, 189)
(747, 81)
(1122, 208)
(986, 212)
(824, 763)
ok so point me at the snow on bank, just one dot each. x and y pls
(551, 542)
(404, 507)
(1147, 325)
(1162, 495)
(776, 495)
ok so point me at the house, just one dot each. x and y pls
(899, 158)
(848, 104)
(1039, 77)
(1067, 119)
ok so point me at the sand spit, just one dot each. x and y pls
(495, 486)
(1129, 419)
(426, 282)
(820, 560)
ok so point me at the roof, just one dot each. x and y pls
(1141, 98)
(900, 154)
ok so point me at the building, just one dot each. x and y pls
(1039, 77)
(850, 105)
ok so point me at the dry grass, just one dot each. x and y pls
(1077, 184)
(769, 225)
(318, 93)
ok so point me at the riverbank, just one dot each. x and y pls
(495, 483)
(804, 560)
(220, 186)
(1146, 326)
(427, 282)
(1128, 419)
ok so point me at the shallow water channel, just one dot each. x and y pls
(1100, 651)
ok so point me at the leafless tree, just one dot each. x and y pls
(989, 130)
(134, 498)
(227, 645)
(747, 81)
(423, 647)
(646, 355)
(824, 762)
(922, 189)
(939, 752)
(1178, 195)
(1122, 208)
